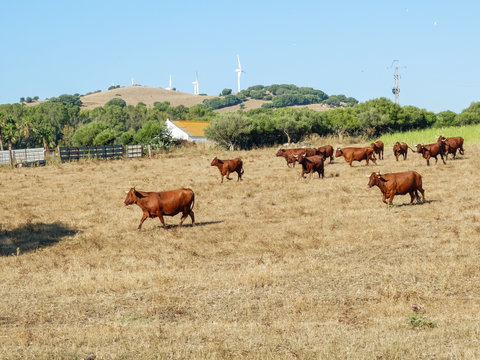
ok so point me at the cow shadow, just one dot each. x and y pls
(203, 223)
(32, 236)
(415, 203)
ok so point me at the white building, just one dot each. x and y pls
(188, 130)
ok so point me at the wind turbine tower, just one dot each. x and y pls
(239, 72)
(169, 84)
(196, 90)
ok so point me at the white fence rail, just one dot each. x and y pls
(134, 151)
(22, 155)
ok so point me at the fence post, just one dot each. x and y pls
(149, 151)
(11, 156)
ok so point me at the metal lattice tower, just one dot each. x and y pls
(396, 77)
(396, 88)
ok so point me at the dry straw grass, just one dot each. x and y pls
(278, 266)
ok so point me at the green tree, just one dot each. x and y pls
(445, 118)
(470, 115)
(230, 130)
(226, 92)
(116, 102)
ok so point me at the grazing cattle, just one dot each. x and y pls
(165, 203)
(452, 145)
(229, 166)
(326, 151)
(378, 147)
(311, 164)
(398, 184)
(432, 150)
(400, 149)
(290, 155)
(356, 154)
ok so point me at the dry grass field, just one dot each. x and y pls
(278, 267)
(148, 95)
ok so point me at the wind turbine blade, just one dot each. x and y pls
(239, 66)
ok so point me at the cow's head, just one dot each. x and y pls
(374, 146)
(280, 152)
(301, 158)
(338, 152)
(420, 148)
(375, 179)
(215, 161)
(131, 197)
(441, 138)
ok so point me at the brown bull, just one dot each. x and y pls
(229, 166)
(311, 164)
(326, 151)
(398, 184)
(432, 150)
(291, 155)
(452, 145)
(401, 148)
(378, 147)
(351, 154)
(165, 203)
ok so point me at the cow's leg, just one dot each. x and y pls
(145, 215)
(454, 154)
(392, 194)
(384, 198)
(444, 163)
(331, 159)
(222, 178)
(412, 196)
(396, 155)
(160, 216)
(405, 156)
(228, 174)
(192, 216)
(422, 192)
(239, 174)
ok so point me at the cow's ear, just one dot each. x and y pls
(382, 178)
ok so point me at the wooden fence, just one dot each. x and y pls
(34, 156)
(134, 151)
(91, 152)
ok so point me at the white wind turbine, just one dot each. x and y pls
(169, 84)
(196, 90)
(239, 72)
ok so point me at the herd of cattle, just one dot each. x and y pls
(312, 160)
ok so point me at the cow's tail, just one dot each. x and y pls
(193, 201)
(414, 150)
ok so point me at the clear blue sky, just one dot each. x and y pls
(341, 47)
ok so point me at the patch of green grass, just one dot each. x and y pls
(470, 133)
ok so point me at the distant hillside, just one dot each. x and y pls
(148, 95)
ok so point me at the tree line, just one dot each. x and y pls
(263, 127)
(278, 96)
(61, 122)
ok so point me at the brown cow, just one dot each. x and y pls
(356, 154)
(326, 151)
(311, 164)
(432, 150)
(401, 149)
(398, 184)
(378, 147)
(290, 155)
(452, 145)
(165, 203)
(229, 166)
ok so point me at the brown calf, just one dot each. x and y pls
(312, 164)
(431, 150)
(229, 166)
(378, 147)
(165, 203)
